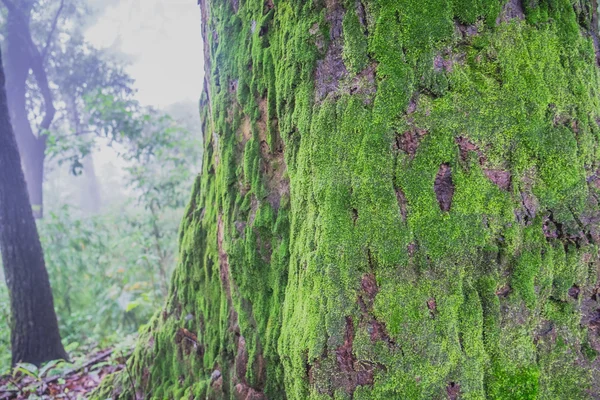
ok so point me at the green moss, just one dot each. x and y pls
(355, 42)
(515, 383)
(464, 295)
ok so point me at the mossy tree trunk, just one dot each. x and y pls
(400, 200)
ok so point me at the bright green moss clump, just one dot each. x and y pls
(399, 201)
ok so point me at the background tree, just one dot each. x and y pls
(109, 270)
(50, 70)
(110, 233)
(23, 56)
(399, 199)
(34, 329)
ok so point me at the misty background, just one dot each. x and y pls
(118, 176)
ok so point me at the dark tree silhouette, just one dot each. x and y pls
(34, 329)
(22, 56)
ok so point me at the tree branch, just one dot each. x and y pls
(52, 30)
(37, 66)
(9, 5)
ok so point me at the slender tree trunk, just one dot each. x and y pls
(90, 195)
(34, 155)
(22, 56)
(91, 200)
(400, 200)
(34, 329)
(17, 66)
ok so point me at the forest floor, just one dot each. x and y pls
(61, 380)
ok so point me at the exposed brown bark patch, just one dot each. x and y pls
(188, 342)
(545, 332)
(412, 249)
(432, 306)
(445, 61)
(217, 381)
(245, 130)
(368, 284)
(233, 86)
(594, 180)
(465, 146)
(499, 177)
(529, 203)
(241, 359)
(444, 187)
(240, 227)
(245, 392)
(253, 209)
(574, 292)
(409, 141)
(513, 9)
(216, 158)
(596, 293)
(453, 391)
(273, 165)
(364, 84)
(402, 203)
(342, 370)
(579, 234)
(361, 13)
(504, 291)
(344, 356)
(413, 104)
(593, 321)
(466, 31)
(352, 373)
(442, 64)
(376, 329)
(331, 70)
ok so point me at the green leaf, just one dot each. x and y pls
(46, 368)
(27, 369)
(132, 306)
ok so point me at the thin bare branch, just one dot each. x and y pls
(37, 66)
(52, 30)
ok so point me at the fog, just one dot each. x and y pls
(162, 39)
(161, 43)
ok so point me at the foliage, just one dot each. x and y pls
(61, 379)
(110, 271)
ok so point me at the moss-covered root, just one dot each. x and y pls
(400, 200)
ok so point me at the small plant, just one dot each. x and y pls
(29, 380)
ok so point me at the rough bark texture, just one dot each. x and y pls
(400, 200)
(34, 329)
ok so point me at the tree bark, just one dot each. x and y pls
(399, 200)
(34, 328)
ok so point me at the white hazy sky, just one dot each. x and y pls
(163, 39)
